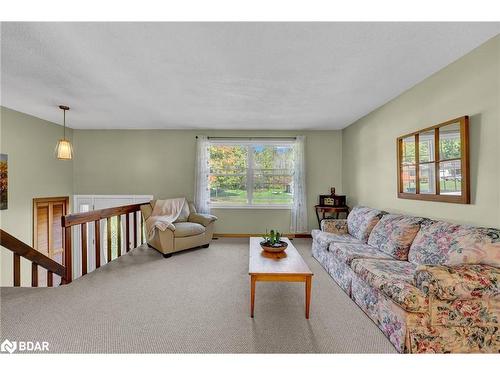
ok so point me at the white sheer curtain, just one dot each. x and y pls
(299, 207)
(202, 170)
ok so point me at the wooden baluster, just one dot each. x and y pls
(119, 234)
(34, 274)
(108, 237)
(142, 228)
(135, 229)
(17, 270)
(84, 248)
(67, 256)
(50, 278)
(127, 232)
(97, 240)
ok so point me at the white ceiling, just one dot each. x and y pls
(222, 75)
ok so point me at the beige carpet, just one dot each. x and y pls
(197, 301)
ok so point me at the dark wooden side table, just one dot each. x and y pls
(324, 209)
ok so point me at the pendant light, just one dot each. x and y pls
(64, 150)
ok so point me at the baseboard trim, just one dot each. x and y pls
(302, 235)
(248, 235)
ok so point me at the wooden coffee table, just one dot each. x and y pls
(291, 268)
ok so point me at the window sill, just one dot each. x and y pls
(251, 207)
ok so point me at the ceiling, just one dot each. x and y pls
(222, 75)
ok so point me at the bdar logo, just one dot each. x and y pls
(8, 346)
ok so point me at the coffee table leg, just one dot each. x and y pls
(252, 294)
(308, 294)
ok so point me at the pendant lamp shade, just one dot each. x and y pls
(64, 150)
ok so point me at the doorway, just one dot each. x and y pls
(85, 203)
(48, 232)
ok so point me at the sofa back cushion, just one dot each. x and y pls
(361, 221)
(394, 234)
(448, 244)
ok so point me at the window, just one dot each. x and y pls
(250, 174)
(433, 163)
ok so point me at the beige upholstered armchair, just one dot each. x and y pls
(191, 230)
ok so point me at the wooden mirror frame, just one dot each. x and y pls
(464, 198)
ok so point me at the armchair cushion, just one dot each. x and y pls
(466, 281)
(147, 209)
(203, 219)
(337, 226)
(188, 229)
(184, 215)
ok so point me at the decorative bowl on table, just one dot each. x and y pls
(278, 247)
(272, 242)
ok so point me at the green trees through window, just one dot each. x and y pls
(251, 174)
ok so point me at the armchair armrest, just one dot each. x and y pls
(337, 226)
(202, 219)
(467, 281)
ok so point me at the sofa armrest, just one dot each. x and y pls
(203, 219)
(337, 226)
(467, 281)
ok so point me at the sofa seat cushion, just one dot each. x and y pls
(361, 221)
(325, 238)
(394, 234)
(347, 252)
(442, 243)
(394, 279)
(188, 229)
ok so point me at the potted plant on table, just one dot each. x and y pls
(272, 242)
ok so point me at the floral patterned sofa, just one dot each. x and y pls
(430, 286)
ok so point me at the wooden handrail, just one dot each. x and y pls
(20, 249)
(95, 217)
(87, 217)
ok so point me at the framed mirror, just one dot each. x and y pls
(433, 163)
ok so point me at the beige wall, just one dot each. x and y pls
(34, 172)
(469, 86)
(161, 162)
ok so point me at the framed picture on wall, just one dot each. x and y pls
(3, 181)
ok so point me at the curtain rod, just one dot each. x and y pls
(250, 138)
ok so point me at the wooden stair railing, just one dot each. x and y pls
(20, 249)
(83, 219)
